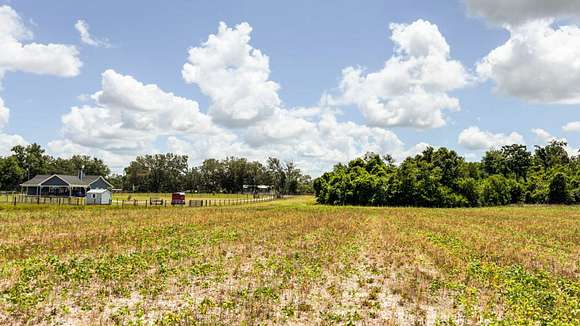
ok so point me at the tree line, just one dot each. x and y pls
(158, 173)
(442, 178)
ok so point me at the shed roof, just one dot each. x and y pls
(97, 191)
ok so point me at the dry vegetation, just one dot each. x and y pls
(167, 196)
(290, 262)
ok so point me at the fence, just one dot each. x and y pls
(18, 199)
(22, 199)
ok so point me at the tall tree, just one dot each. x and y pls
(11, 173)
(156, 173)
(32, 159)
(517, 160)
(552, 155)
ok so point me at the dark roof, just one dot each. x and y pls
(71, 180)
(36, 181)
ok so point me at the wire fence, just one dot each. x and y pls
(19, 199)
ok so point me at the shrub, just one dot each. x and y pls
(469, 189)
(496, 191)
(559, 190)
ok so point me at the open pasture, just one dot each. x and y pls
(140, 199)
(9, 197)
(167, 196)
(289, 261)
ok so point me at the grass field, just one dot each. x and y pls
(292, 262)
(167, 196)
(146, 196)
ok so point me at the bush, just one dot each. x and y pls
(496, 191)
(559, 190)
(575, 196)
(441, 178)
(469, 189)
(517, 191)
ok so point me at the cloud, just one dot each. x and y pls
(234, 75)
(572, 127)
(245, 102)
(44, 59)
(411, 89)
(50, 59)
(475, 139)
(539, 64)
(545, 137)
(128, 116)
(246, 117)
(8, 141)
(83, 28)
(515, 12)
(4, 114)
(542, 135)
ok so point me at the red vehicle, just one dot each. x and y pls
(178, 198)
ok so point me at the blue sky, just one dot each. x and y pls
(308, 44)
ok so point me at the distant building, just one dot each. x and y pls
(98, 197)
(63, 185)
(257, 189)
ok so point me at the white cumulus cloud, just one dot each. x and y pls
(8, 141)
(18, 53)
(128, 116)
(539, 63)
(83, 28)
(573, 126)
(234, 75)
(542, 135)
(475, 139)
(245, 118)
(412, 88)
(51, 59)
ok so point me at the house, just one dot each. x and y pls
(63, 185)
(98, 197)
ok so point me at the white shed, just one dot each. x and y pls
(98, 197)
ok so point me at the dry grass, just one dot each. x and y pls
(289, 262)
(167, 196)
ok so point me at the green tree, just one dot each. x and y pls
(277, 176)
(496, 191)
(156, 173)
(11, 173)
(552, 155)
(517, 160)
(32, 159)
(559, 189)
